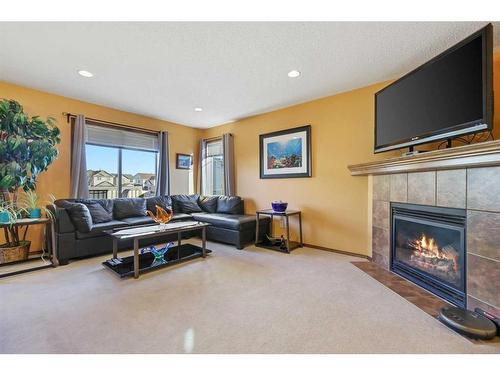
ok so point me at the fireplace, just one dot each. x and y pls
(428, 248)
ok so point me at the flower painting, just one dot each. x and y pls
(286, 153)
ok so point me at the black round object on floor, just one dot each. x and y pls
(468, 323)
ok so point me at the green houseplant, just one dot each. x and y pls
(27, 148)
(33, 206)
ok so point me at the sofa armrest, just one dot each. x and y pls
(63, 223)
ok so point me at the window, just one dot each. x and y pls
(212, 168)
(120, 163)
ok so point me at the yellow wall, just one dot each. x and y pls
(336, 206)
(56, 179)
(333, 203)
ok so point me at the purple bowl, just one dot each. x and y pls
(279, 206)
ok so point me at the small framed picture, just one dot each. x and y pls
(286, 153)
(184, 161)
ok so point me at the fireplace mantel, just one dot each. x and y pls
(484, 154)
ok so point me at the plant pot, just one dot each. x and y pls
(4, 217)
(14, 253)
(35, 213)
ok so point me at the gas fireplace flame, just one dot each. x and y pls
(427, 252)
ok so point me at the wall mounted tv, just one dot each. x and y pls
(448, 96)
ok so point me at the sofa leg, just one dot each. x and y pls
(63, 262)
(240, 247)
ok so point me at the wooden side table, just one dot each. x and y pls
(290, 245)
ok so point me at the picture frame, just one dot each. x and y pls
(183, 161)
(286, 153)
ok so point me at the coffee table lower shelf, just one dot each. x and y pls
(175, 255)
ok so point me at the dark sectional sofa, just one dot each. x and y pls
(80, 223)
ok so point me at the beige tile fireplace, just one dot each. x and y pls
(465, 177)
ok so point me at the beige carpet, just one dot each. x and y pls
(251, 301)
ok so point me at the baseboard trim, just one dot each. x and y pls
(338, 251)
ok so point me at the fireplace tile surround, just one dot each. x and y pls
(466, 177)
(449, 188)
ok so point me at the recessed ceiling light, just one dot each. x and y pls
(85, 73)
(293, 74)
(198, 109)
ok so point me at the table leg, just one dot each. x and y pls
(115, 248)
(300, 229)
(257, 228)
(204, 242)
(53, 244)
(287, 225)
(136, 258)
(179, 241)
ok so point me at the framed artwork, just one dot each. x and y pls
(286, 153)
(183, 161)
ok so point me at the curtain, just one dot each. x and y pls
(201, 159)
(228, 150)
(79, 183)
(162, 178)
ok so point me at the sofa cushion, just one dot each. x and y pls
(229, 205)
(80, 216)
(186, 204)
(97, 229)
(99, 213)
(164, 202)
(208, 203)
(138, 220)
(228, 221)
(129, 207)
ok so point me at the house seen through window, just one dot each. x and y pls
(120, 163)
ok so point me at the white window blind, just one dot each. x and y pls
(214, 148)
(107, 136)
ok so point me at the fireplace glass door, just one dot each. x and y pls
(429, 248)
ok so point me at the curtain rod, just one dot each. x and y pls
(111, 124)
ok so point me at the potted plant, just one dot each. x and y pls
(33, 207)
(27, 148)
(7, 213)
(15, 247)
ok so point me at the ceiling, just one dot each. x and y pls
(231, 70)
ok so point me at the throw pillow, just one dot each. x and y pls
(129, 207)
(99, 213)
(80, 216)
(229, 205)
(208, 203)
(186, 204)
(164, 202)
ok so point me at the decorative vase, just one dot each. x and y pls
(162, 217)
(35, 213)
(159, 254)
(279, 206)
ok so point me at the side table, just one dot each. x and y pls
(48, 256)
(290, 245)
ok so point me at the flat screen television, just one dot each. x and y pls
(448, 96)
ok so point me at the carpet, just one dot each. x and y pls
(249, 301)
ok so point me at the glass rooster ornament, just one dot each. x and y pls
(163, 215)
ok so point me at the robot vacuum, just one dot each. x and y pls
(468, 323)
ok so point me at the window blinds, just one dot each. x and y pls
(107, 136)
(214, 148)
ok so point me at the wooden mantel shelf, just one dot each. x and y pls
(484, 154)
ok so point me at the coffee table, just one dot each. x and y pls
(139, 263)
